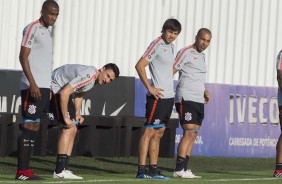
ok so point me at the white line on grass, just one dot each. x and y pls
(138, 180)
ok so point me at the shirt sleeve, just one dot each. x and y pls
(181, 59)
(29, 35)
(152, 50)
(84, 81)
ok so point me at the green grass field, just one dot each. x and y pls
(123, 169)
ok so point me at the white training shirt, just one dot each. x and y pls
(192, 75)
(80, 77)
(38, 39)
(161, 58)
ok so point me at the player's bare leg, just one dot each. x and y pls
(154, 148)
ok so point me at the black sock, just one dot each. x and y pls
(153, 169)
(186, 163)
(67, 162)
(179, 163)
(278, 166)
(141, 168)
(24, 148)
(60, 165)
(32, 143)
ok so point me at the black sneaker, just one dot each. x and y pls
(26, 175)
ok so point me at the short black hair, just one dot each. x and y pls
(205, 30)
(114, 68)
(172, 24)
(48, 3)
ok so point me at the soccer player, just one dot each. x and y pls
(278, 168)
(73, 80)
(36, 61)
(159, 56)
(190, 97)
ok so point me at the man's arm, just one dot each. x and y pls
(174, 70)
(78, 102)
(279, 79)
(34, 90)
(140, 68)
(207, 96)
(65, 95)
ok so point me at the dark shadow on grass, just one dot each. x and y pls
(82, 167)
(131, 164)
(8, 164)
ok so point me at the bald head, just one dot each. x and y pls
(203, 30)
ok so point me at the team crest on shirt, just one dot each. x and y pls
(31, 109)
(157, 121)
(188, 116)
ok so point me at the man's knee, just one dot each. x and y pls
(159, 133)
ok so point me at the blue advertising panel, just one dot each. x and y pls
(240, 121)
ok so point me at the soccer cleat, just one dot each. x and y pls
(156, 174)
(185, 174)
(143, 175)
(26, 175)
(277, 173)
(66, 174)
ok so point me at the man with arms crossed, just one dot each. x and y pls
(36, 60)
(278, 168)
(190, 97)
(73, 80)
(160, 98)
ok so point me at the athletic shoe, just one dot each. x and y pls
(185, 174)
(66, 174)
(143, 175)
(160, 176)
(156, 174)
(277, 173)
(26, 175)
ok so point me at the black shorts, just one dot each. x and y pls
(190, 112)
(158, 111)
(33, 108)
(55, 112)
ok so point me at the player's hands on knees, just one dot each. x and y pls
(156, 92)
(79, 119)
(69, 122)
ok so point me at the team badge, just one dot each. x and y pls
(188, 116)
(157, 121)
(31, 109)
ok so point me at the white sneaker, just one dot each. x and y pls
(185, 174)
(66, 174)
(73, 175)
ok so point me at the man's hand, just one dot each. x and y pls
(156, 92)
(207, 96)
(70, 123)
(35, 92)
(79, 119)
